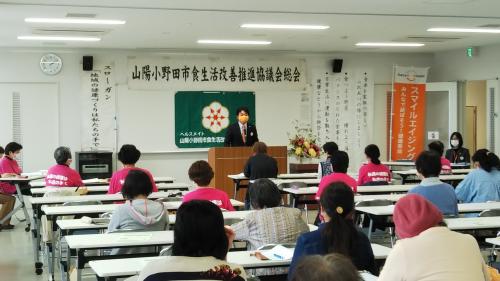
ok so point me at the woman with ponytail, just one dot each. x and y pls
(373, 172)
(338, 234)
(483, 183)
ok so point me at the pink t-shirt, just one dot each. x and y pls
(8, 165)
(335, 177)
(118, 179)
(371, 172)
(445, 166)
(62, 176)
(214, 195)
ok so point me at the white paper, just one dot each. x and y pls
(135, 237)
(279, 252)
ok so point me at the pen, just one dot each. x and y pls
(278, 256)
(77, 188)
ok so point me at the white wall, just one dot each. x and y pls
(455, 66)
(275, 109)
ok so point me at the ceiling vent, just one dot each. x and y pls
(70, 32)
(427, 39)
(493, 25)
(78, 15)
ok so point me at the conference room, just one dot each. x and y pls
(222, 140)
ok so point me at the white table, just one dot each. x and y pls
(133, 266)
(395, 188)
(98, 189)
(462, 208)
(81, 243)
(296, 193)
(494, 241)
(106, 182)
(298, 176)
(79, 224)
(473, 223)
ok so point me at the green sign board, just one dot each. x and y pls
(202, 117)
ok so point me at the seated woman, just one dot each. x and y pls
(128, 155)
(259, 165)
(8, 201)
(483, 183)
(338, 234)
(332, 267)
(201, 243)
(374, 172)
(457, 153)
(340, 163)
(427, 249)
(441, 194)
(9, 166)
(61, 175)
(438, 148)
(138, 212)
(325, 167)
(270, 223)
(202, 174)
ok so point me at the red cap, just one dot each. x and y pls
(414, 214)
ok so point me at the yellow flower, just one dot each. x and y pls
(298, 151)
(312, 152)
(306, 144)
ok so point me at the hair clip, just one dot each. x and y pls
(339, 210)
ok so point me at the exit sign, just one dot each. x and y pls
(471, 52)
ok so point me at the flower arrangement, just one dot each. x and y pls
(303, 143)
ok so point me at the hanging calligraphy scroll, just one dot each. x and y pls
(408, 112)
(205, 73)
(342, 111)
(98, 108)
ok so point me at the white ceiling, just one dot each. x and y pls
(169, 25)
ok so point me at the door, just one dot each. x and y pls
(470, 134)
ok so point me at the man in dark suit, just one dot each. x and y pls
(241, 133)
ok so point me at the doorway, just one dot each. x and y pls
(475, 135)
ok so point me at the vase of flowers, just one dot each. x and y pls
(302, 143)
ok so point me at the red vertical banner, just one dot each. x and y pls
(408, 113)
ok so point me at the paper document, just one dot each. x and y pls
(278, 252)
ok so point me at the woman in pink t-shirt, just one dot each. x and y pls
(373, 172)
(202, 174)
(9, 166)
(61, 175)
(438, 147)
(340, 163)
(128, 155)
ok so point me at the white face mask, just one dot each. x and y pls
(454, 143)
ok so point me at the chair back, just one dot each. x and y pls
(374, 203)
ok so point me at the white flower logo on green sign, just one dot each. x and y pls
(215, 117)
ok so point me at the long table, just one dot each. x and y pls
(103, 189)
(462, 208)
(458, 174)
(115, 268)
(473, 223)
(104, 181)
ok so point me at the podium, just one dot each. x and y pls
(231, 161)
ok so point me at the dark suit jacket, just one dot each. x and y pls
(233, 135)
(261, 166)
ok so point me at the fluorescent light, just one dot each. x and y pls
(59, 38)
(234, 42)
(74, 21)
(388, 44)
(469, 30)
(283, 26)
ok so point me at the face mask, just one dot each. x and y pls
(243, 119)
(454, 143)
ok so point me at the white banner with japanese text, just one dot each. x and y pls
(209, 73)
(98, 108)
(342, 106)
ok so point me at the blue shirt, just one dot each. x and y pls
(311, 243)
(442, 195)
(479, 186)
